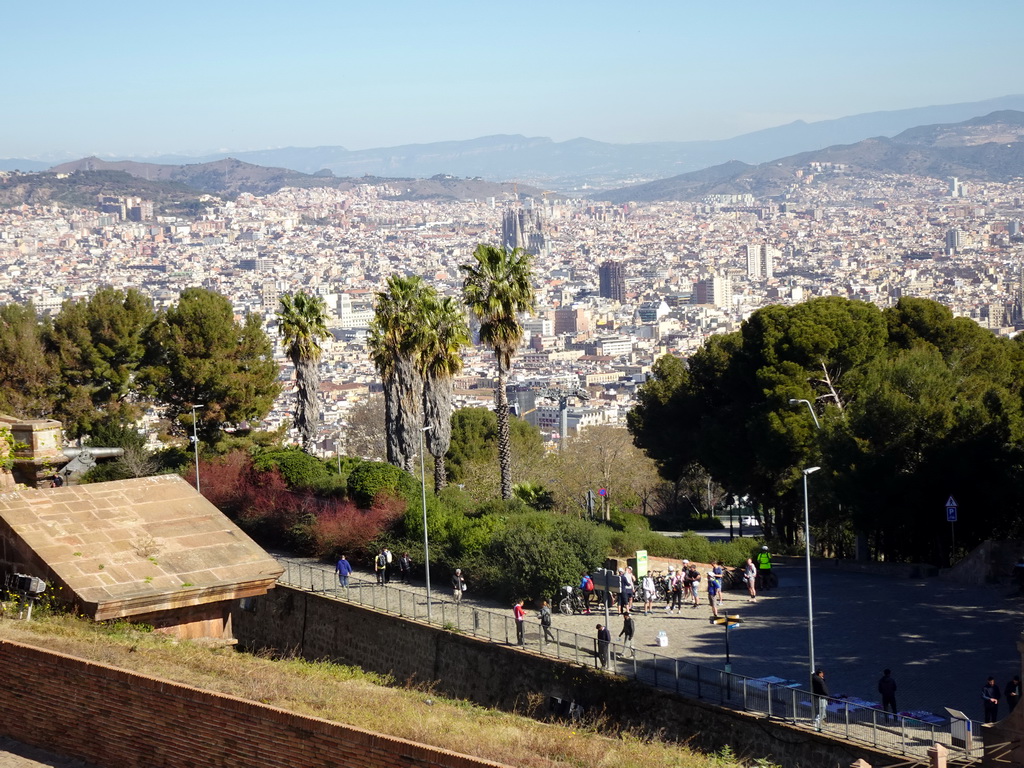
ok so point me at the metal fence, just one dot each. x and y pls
(852, 720)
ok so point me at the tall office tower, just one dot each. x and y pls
(761, 260)
(523, 229)
(612, 277)
(956, 189)
(955, 240)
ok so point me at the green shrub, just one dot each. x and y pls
(629, 522)
(535, 553)
(300, 470)
(369, 478)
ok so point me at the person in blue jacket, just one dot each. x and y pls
(343, 569)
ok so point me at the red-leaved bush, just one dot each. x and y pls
(221, 479)
(343, 528)
(263, 505)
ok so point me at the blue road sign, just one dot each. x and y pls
(951, 507)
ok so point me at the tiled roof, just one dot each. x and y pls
(131, 547)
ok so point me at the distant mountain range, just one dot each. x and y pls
(582, 162)
(986, 148)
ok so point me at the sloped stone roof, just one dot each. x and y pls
(133, 547)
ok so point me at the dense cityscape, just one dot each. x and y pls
(618, 286)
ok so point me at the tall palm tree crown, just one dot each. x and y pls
(302, 324)
(497, 289)
(397, 336)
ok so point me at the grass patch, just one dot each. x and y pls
(328, 690)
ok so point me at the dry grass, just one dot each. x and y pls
(349, 695)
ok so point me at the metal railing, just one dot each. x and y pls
(847, 719)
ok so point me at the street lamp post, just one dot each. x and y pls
(195, 441)
(426, 541)
(807, 550)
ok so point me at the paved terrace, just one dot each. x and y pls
(940, 639)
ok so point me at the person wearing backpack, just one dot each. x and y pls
(545, 622)
(380, 567)
(587, 588)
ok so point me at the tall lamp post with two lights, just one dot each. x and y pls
(807, 543)
(426, 541)
(195, 440)
(807, 550)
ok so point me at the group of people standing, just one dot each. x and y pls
(383, 567)
(991, 695)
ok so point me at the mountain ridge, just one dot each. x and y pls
(581, 162)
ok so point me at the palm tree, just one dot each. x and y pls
(440, 361)
(396, 338)
(302, 323)
(497, 289)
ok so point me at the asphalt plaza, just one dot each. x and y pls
(940, 639)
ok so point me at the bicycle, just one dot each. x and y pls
(571, 601)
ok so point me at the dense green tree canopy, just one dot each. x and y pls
(198, 354)
(29, 383)
(98, 345)
(914, 405)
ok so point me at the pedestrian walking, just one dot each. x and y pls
(887, 688)
(820, 690)
(713, 590)
(750, 578)
(380, 567)
(520, 616)
(990, 699)
(458, 585)
(679, 587)
(694, 575)
(545, 622)
(604, 642)
(344, 570)
(647, 587)
(628, 629)
(764, 568)
(587, 588)
(387, 565)
(405, 567)
(718, 574)
(1012, 691)
(669, 584)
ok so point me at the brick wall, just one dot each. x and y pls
(114, 718)
(320, 627)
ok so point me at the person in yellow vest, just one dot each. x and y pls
(764, 569)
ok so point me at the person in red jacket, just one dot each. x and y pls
(520, 616)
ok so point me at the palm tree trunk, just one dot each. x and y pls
(440, 474)
(391, 420)
(307, 406)
(409, 421)
(504, 441)
(437, 412)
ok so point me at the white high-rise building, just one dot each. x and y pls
(761, 260)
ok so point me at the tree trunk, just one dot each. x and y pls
(437, 412)
(307, 406)
(440, 474)
(504, 441)
(391, 420)
(408, 422)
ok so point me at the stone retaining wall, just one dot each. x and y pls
(320, 627)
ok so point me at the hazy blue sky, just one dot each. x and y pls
(192, 77)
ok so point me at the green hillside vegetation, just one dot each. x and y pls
(349, 695)
(80, 189)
